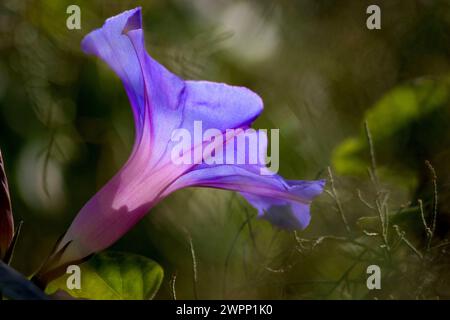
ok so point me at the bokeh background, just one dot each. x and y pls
(66, 127)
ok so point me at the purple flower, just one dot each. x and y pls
(6, 218)
(161, 103)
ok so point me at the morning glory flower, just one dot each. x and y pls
(162, 103)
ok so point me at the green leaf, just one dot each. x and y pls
(114, 276)
(408, 119)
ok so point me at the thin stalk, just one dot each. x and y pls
(335, 197)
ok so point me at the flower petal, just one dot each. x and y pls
(285, 203)
(6, 218)
(161, 101)
(113, 47)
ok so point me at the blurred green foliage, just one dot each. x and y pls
(66, 127)
(409, 125)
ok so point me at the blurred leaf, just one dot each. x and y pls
(409, 216)
(114, 276)
(6, 218)
(15, 286)
(408, 125)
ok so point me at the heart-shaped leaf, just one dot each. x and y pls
(113, 276)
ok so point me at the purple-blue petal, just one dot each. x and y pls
(161, 100)
(286, 204)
